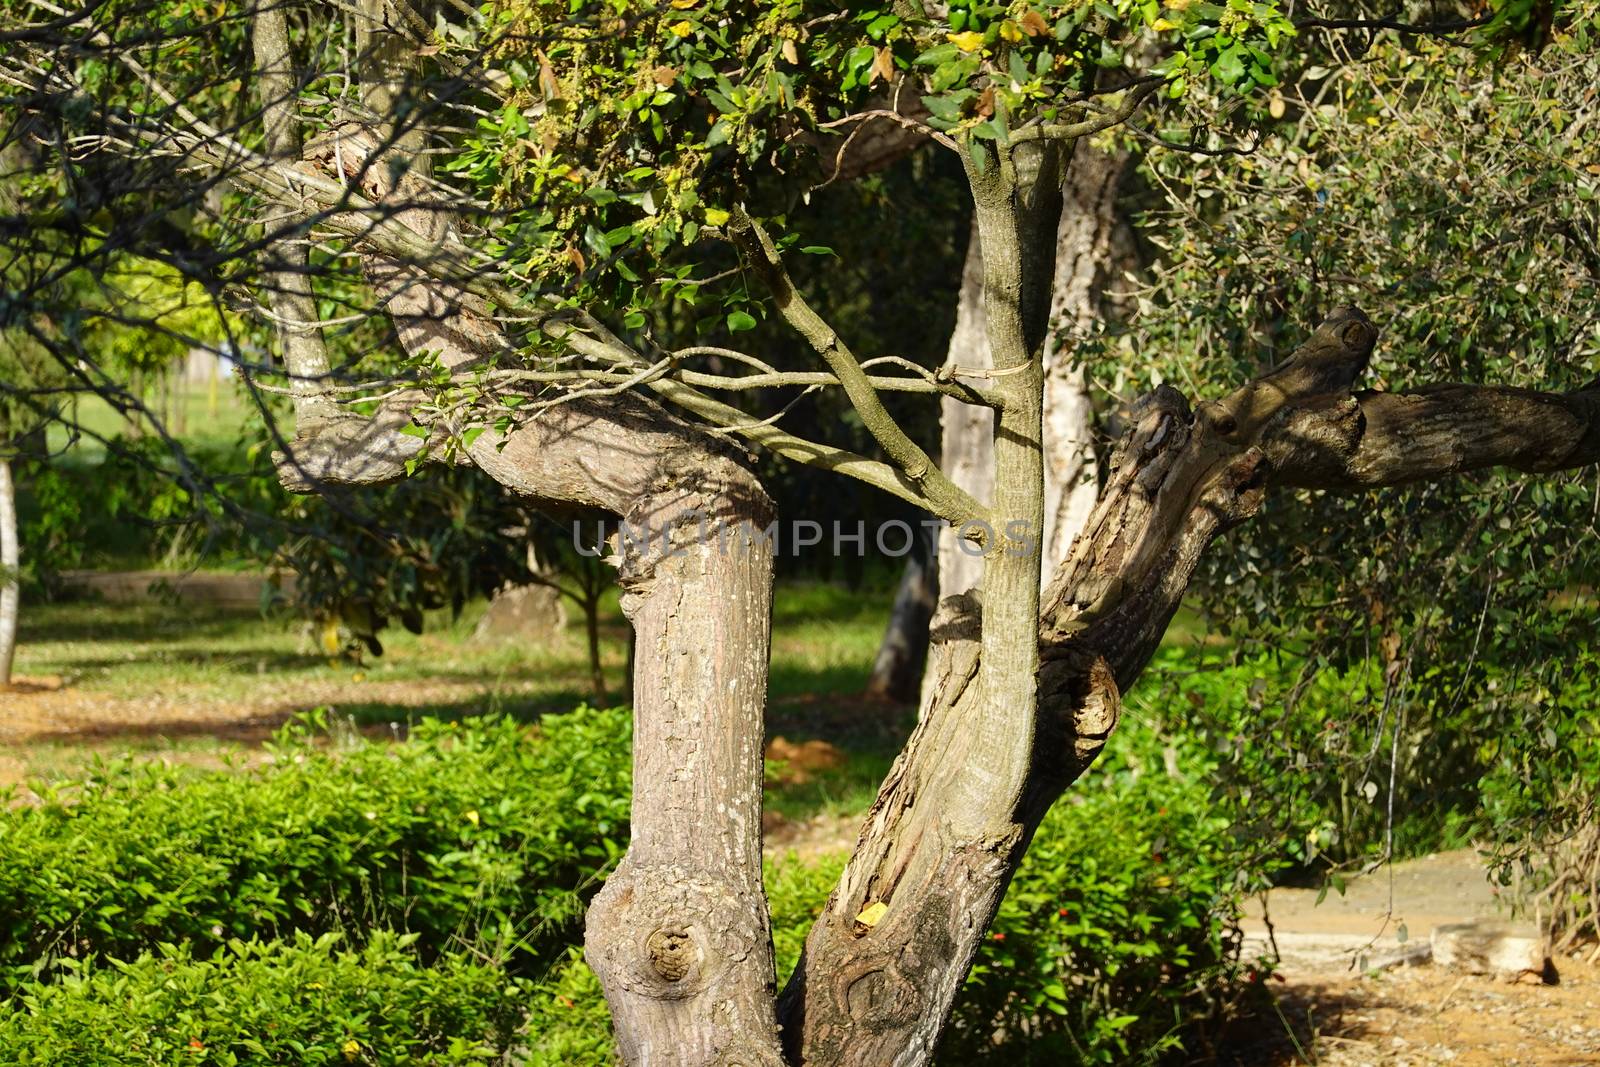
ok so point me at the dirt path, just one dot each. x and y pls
(1343, 1015)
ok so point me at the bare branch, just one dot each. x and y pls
(1104, 120)
(946, 499)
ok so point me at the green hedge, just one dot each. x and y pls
(303, 1003)
(1117, 943)
(464, 834)
(420, 898)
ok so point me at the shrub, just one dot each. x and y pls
(1117, 943)
(303, 1003)
(1118, 940)
(463, 834)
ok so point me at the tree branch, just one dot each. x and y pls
(1370, 439)
(1318, 432)
(945, 498)
(1068, 131)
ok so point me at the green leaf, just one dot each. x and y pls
(741, 320)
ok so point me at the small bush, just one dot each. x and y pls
(462, 834)
(1117, 942)
(304, 1003)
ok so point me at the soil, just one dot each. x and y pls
(1343, 1001)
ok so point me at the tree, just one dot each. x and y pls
(544, 202)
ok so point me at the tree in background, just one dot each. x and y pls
(517, 232)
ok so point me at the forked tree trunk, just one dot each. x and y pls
(10, 580)
(1094, 249)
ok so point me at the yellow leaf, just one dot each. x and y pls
(472, 817)
(968, 41)
(1162, 25)
(790, 53)
(715, 216)
(682, 5)
(1275, 105)
(1010, 31)
(682, 29)
(872, 913)
(351, 1049)
(1179, 5)
(330, 638)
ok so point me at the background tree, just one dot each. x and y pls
(558, 211)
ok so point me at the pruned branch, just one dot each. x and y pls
(1319, 432)
(1370, 439)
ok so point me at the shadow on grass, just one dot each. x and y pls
(92, 621)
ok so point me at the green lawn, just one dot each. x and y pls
(208, 683)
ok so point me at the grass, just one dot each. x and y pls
(206, 684)
(203, 420)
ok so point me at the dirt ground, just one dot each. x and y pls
(1345, 1008)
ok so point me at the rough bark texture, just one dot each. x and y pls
(679, 934)
(10, 560)
(938, 848)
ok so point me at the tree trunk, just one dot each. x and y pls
(679, 935)
(10, 580)
(591, 629)
(1093, 248)
(897, 672)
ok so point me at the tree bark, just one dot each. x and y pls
(1093, 249)
(288, 269)
(10, 580)
(897, 671)
(883, 963)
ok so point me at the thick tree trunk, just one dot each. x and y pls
(880, 993)
(10, 580)
(884, 961)
(679, 934)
